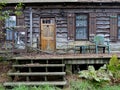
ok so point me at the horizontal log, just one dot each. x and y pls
(40, 65)
(34, 83)
(36, 73)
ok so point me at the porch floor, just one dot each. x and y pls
(70, 58)
(65, 56)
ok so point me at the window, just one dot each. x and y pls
(81, 26)
(119, 27)
(48, 21)
(10, 22)
(20, 40)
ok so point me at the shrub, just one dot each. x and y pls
(114, 66)
(97, 77)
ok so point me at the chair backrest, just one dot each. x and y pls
(99, 40)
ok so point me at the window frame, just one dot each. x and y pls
(118, 27)
(12, 36)
(87, 27)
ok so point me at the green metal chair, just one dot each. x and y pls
(101, 43)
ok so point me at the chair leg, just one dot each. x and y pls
(96, 49)
(108, 50)
(104, 49)
(74, 50)
(83, 49)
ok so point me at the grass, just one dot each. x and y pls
(115, 87)
(42, 87)
(86, 85)
(1, 87)
(81, 85)
(74, 85)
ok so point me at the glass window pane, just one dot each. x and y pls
(81, 33)
(81, 23)
(20, 40)
(119, 23)
(118, 26)
(81, 26)
(119, 33)
(119, 17)
(8, 35)
(81, 17)
(10, 22)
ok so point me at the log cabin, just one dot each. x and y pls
(59, 26)
(62, 24)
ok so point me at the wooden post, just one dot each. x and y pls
(31, 26)
(68, 69)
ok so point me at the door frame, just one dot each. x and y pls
(54, 32)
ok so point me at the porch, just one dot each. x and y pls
(69, 58)
(40, 69)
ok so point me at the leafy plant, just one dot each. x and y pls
(5, 13)
(98, 77)
(18, 8)
(114, 66)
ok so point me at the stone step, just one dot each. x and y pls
(40, 65)
(36, 73)
(35, 83)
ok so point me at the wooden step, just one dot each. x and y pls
(36, 73)
(40, 65)
(35, 83)
(43, 57)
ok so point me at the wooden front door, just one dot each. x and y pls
(48, 34)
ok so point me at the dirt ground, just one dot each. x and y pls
(5, 66)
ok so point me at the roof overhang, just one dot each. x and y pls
(59, 1)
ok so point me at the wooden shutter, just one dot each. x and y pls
(113, 26)
(20, 21)
(2, 31)
(71, 26)
(92, 24)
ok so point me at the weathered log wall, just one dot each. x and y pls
(101, 21)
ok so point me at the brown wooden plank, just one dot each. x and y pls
(47, 34)
(61, 57)
(113, 26)
(40, 65)
(71, 26)
(20, 20)
(2, 31)
(35, 83)
(36, 73)
(92, 23)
